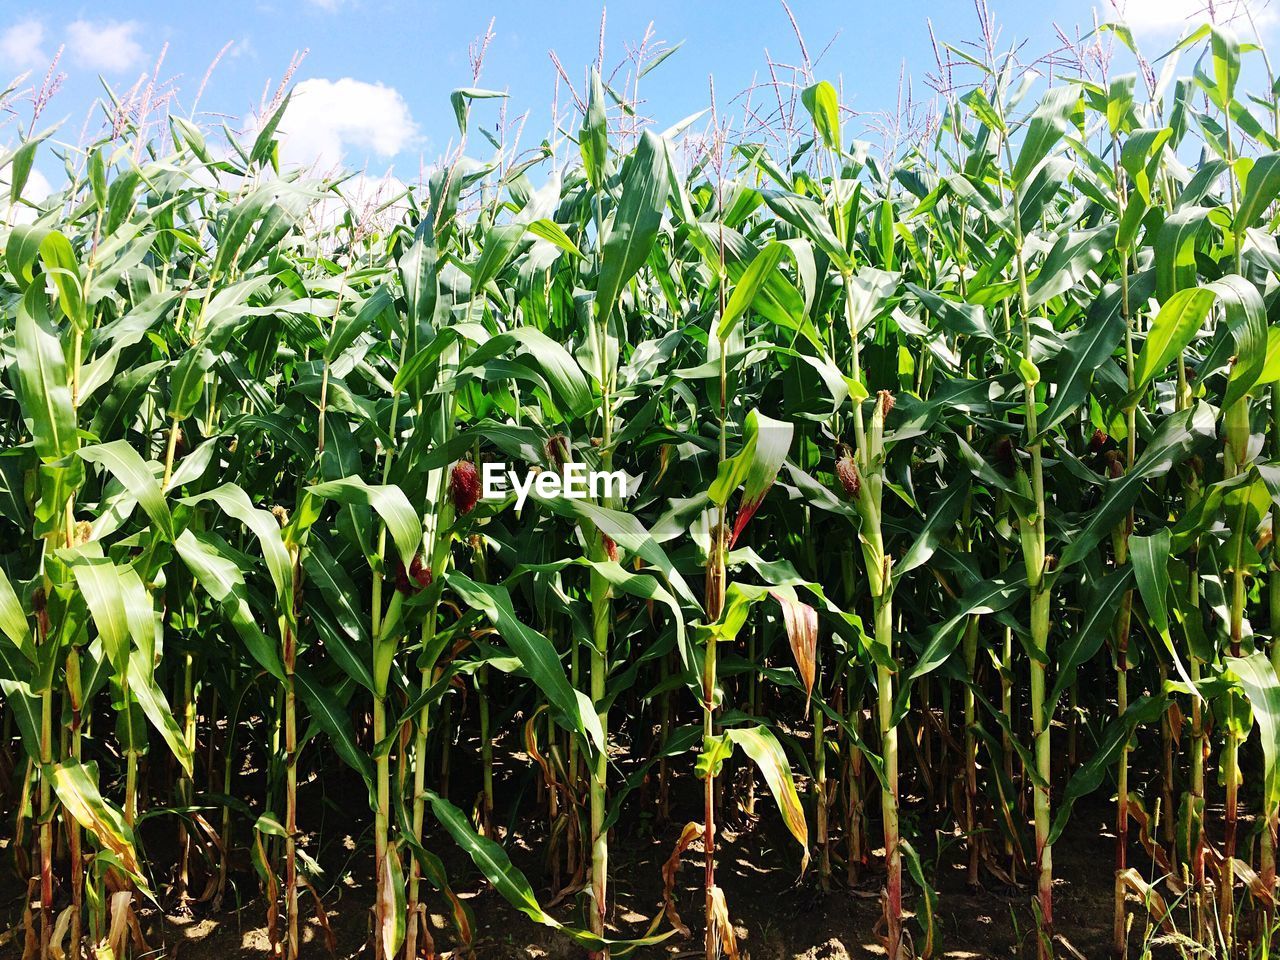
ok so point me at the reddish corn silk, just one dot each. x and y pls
(558, 449)
(464, 486)
(402, 578)
(414, 579)
(847, 472)
(1097, 440)
(1002, 456)
(420, 572)
(610, 547)
(886, 403)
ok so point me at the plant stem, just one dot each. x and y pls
(439, 542)
(1036, 562)
(820, 798)
(46, 820)
(600, 607)
(1235, 462)
(1120, 540)
(870, 457)
(289, 658)
(382, 781)
(715, 596)
(970, 645)
(75, 695)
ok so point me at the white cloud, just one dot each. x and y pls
(376, 203)
(38, 187)
(1170, 17)
(108, 45)
(20, 45)
(326, 118)
(36, 190)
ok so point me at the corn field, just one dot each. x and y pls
(943, 532)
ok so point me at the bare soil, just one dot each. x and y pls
(778, 915)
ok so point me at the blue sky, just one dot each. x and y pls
(378, 73)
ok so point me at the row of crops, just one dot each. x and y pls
(952, 481)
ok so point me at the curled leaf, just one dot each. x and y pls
(76, 785)
(391, 919)
(763, 748)
(691, 832)
(723, 925)
(801, 621)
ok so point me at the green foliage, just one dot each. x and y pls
(1008, 398)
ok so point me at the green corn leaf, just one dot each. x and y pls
(940, 520)
(390, 503)
(1260, 191)
(824, 106)
(628, 533)
(535, 651)
(143, 688)
(1053, 117)
(334, 718)
(1246, 317)
(715, 751)
(1083, 643)
(927, 914)
(235, 503)
(42, 371)
(186, 383)
(461, 101)
(133, 473)
(1225, 53)
(22, 252)
(634, 225)
(100, 584)
(553, 233)
(562, 372)
(748, 286)
(264, 143)
(1086, 350)
(765, 443)
(13, 618)
(222, 579)
(20, 162)
(500, 245)
(638, 585)
(348, 326)
(1076, 255)
(763, 748)
(989, 596)
(593, 141)
(1180, 317)
(1175, 251)
(1181, 435)
(512, 885)
(62, 269)
(808, 217)
(1257, 676)
(1115, 738)
(76, 785)
(1150, 559)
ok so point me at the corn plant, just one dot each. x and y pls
(948, 486)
